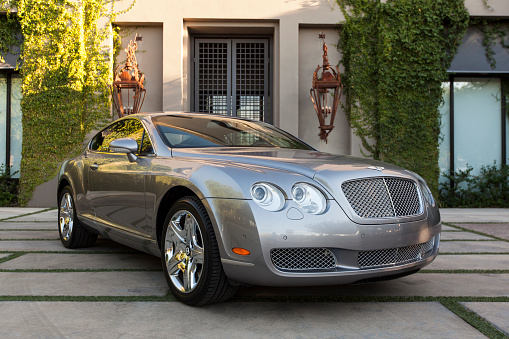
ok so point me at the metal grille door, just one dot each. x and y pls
(232, 77)
(212, 85)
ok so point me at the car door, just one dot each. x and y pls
(116, 185)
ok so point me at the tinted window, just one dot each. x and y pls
(196, 131)
(127, 128)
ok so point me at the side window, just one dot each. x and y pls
(128, 128)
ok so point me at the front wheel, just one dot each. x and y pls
(72, 233)
(190, 255)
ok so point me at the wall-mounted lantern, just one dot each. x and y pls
(325, 93)
(128, 91)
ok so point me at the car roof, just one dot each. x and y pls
(190, 114)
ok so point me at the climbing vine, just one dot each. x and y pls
(67, 71)
(9, 29)
(396, 54)
(494, 30)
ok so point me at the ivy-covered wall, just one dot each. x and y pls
(67, 70)
(396, 54)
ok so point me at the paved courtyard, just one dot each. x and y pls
(47, 291)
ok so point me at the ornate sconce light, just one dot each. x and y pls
(128, 91)
(325, 93)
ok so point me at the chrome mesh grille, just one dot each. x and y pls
(395, 256)
(382, 197)
(301, 259)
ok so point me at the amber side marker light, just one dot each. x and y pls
(240, 251)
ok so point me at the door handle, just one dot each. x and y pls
(94, 166)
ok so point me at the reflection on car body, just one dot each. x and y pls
(227, 201)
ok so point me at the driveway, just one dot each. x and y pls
(47, 291)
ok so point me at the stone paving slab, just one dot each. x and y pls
(474, 247)
(496, 313)
(497, 230)
(83, 283)
(463, 236)
(468, 262)
(43, 216)
(102, 245)
(233, 320)
(420, 284)
(44, 261)
(10, 225)
(9, 212)
(445, 228)
(8, 235)
(474, 214)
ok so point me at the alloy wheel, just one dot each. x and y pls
(66, 216)
(184, 251)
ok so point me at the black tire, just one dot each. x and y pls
(72, 233)
(192, 267)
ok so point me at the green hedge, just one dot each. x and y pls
(396, 54)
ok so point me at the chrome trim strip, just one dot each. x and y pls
(235, 262)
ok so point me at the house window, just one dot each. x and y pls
(474, 122)
(231, 77)
(10, 121)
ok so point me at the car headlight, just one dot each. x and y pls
(427, 194)
(309, 198)
(268, 196)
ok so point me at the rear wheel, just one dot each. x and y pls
(190, 255)
(72, 233)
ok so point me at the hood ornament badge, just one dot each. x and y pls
(376, 168)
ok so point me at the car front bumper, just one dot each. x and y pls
(309, 243)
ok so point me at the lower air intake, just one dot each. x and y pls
(395, 256)
(302, 259)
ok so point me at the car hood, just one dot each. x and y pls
(318, 165)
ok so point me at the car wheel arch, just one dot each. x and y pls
(167, 201)
(61, 185)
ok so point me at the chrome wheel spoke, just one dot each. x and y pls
(191, 280)
(197, 254)
(179, 234)
(172, 266)
(189, 227)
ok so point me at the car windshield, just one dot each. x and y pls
(184, 131)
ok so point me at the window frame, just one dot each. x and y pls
(504, 110)
(8, 119)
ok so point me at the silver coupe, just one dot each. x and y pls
(227, 202)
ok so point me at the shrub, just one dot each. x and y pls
(488, 189)
(8, 187)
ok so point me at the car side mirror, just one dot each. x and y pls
(125, 145)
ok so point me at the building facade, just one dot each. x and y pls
(256, 59)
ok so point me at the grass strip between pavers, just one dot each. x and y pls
(12, 256)
(475, 320)
(26, 214)
(476, 232)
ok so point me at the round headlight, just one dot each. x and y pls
(268, 196)
(309, 198)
